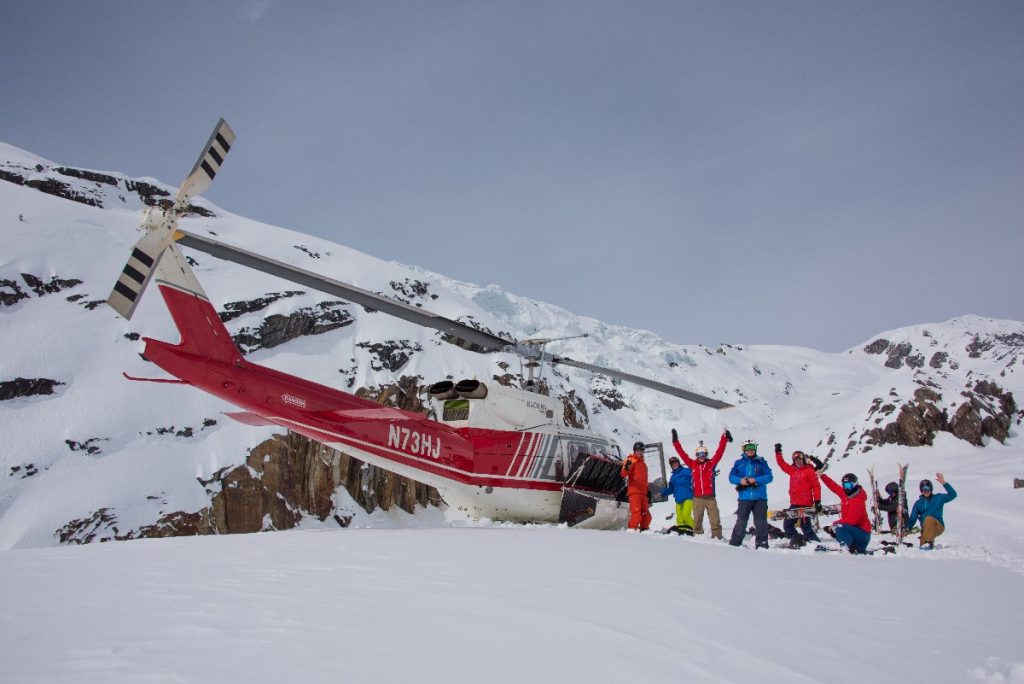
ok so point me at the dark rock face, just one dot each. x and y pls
(27, 387)
(390, 354)
(408, 291)
(276, 330)
(86, 175)
(575, 411)
(54, 187)
(233, 310)
(877, 347)
(916, 423)
(55, 285)
(987, 412)
(11, 293)
(938, 359)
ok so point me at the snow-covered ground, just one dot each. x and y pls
(434, 595)
(450, 600)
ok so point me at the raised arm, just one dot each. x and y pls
(720, 451)
(833, 485)
(679, 450)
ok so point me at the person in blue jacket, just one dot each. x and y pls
(928, 509)
(680, 485)
(751, 474)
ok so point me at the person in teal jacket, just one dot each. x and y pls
(680, 485)
(751, 475)
(928, 509)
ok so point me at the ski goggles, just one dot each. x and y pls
(926, 488)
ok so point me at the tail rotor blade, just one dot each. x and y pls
(139, 271)
(208, 164)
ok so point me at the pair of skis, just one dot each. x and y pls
(901, 512)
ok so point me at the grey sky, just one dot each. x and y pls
(749, 172)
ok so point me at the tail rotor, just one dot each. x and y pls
(161, 224)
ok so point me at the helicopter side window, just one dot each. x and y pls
(455, 409)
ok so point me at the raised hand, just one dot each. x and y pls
(940, 479)
(675, 435)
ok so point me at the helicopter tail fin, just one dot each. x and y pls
(202, 331)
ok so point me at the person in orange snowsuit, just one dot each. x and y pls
(635, 472)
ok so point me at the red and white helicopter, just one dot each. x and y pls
(495, 451)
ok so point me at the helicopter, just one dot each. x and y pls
(491, 450)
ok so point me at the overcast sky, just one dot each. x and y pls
(791, 173)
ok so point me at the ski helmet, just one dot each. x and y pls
(702, 451)
(638, 446)
(892, 488)
(850, 482)
(799, 454)
(749, 444)
(926, 485)
(675, 460)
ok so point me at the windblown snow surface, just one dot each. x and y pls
(435, 596)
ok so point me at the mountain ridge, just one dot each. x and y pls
(96, 427)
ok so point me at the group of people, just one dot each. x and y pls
(692, 486)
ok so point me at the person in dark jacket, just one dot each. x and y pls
(680, 485)
(804, 492)
(704, 482)
(853, 529)
(751, 475)
(892, 504)
(929, 510)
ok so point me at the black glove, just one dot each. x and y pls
(817, 507)
(728, 436)
(778, 447)
(818, 465)
(628, 464)
(675, 436)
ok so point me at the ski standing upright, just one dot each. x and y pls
(901, 512)
(876, 513)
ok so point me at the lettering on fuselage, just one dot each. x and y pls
(294, 401)
(413, 441)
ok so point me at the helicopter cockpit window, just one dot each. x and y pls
(455, 409)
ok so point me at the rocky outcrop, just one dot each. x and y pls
(27, 387)
(276, 329)
(233, 310)
(988, 412)
(390, 354)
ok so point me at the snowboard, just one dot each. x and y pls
(804, 511)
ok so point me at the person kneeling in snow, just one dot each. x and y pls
(680, 485)
(892, 505)
(853, 529)
(929, 509)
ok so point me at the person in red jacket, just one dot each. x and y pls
(704, 483)
(804, 492)
(635, 472)
(853, 529)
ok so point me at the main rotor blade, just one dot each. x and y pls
(652, 384)
(465, 336)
